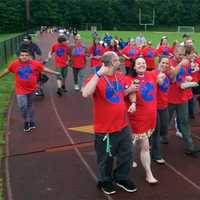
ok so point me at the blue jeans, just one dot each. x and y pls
(182, 118)
(160, 130)
(25, 104)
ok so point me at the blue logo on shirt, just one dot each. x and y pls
(165, 51)
(165, 85)
(25, 72)
(60, 52)
(132, 52)
(78, 51)
(97, 52)
(190, 70)
(146, 91)
(180, 76)
(111, 92)
(150, 54)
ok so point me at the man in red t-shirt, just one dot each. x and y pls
(178, 98)
(61, 51)
(112, 136)
(26, 74)
(149, 54)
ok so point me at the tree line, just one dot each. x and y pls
(111, 14)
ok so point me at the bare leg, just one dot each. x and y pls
(146, 160)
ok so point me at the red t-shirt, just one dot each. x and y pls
(162, 94)
(130, 52)
(164, 50)
(98, 51)
(176, 94)
(144, 118)
(62, 52)
(149, 55)
(78, 56)
(110, 114)
(26, 75)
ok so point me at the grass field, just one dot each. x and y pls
(7, 36)
(153, 36)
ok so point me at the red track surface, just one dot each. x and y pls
(54, 163)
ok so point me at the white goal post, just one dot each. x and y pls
(142, 23)
(186, 29)
(92, 27)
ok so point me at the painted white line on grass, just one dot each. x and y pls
(182, 176)
(91, 172)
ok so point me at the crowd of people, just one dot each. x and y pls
(146, 96)
(132, 82)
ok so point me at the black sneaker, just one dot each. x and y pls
(39, 93)
(26, 127)
(64, 88)
(107, 187)
(32, 125)
(127, 185)
(192, 152)
(59, 92)
(164, 140)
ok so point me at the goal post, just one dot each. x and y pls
(186, 29)
(142, 21)
(92, 27)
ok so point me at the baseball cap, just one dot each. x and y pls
(27, 37)
(164, 37)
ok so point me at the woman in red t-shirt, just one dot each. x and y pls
(78, 58)
(143, 120)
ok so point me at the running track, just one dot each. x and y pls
(57, 163)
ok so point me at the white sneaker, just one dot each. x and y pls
(76, 87)
(179, 134)
(134, 164)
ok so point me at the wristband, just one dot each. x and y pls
(97, 74)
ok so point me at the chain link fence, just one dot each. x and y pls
(9, 47)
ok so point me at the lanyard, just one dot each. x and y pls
(111, 86)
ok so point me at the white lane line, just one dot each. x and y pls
(182, 176)
(91, 172)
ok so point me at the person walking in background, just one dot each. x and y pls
(62, 53)
(26, 71)
(78, 59)
(95, 52)
(149, 54)
(130, 53)
(112, 137)
(140, 41)
(36, 54)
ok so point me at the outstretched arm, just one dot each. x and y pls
(50, 71)
(4, 73)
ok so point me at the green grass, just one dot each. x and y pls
(153, 36)
(7, 36)
(6, 88)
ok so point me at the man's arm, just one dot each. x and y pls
(50, 71)
(4, 73)
(90, 86)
